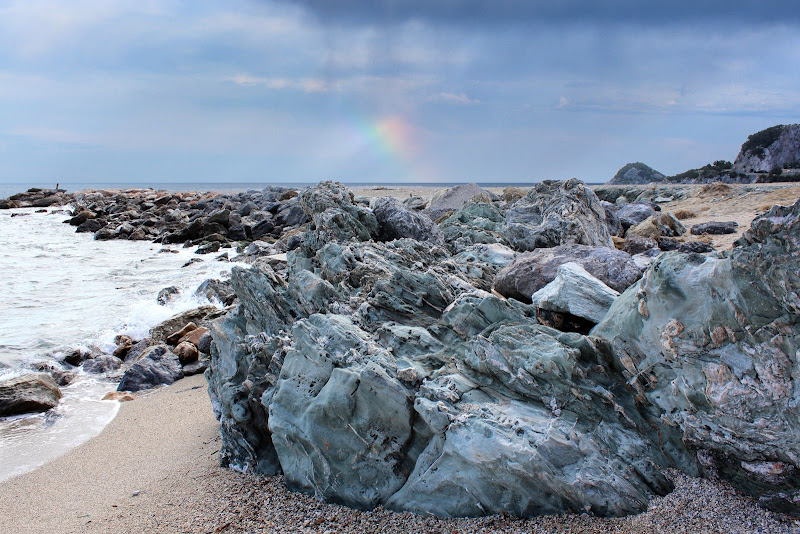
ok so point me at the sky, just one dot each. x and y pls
(153, 91)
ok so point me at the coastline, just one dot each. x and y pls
(154, 468)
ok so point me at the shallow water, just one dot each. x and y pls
(59, 290)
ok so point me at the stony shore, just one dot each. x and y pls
(154, 469)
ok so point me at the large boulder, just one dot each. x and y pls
(576, 292)
(335, 216)
(35, 392)
(710, 344)
(473, 223)
(531, 271)
(157, 367)
(557, 213)
(377, 373)
(448, 200)
(397, 222)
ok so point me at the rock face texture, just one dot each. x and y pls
(383, 373)
(778, 146)
(576, 292)
(636, 173)
(556, 213)
(396, 222)
(36, 392)
(532, 271)
(711, 345)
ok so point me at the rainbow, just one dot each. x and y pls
(393, 138)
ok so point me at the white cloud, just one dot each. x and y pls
(453, 98)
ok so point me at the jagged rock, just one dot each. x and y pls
(204, 342)
(710, 345)
(196, 367)
(36, 392)
(448, 200)
(715, 227)
(473, 223)
(576, 292)
(531, 271)
(697, 247)
(415, 203)
(375, 373)
(158, 367)
(396, 222)
(777, 146)
(334, 216)
(636, 173)
(219, 290)
(556, 213)
(175, 337)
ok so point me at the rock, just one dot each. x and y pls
(193, 336)
(556, 213)
(448, 200)
(774, 147)
(415, 203)
(208, 248)
(63, 377)
(334, 216)
(167, 295)
(473, 223)
(291, 214)
(124, 344)
(204, 342)
(186, 352)
(715, 227)
(633, 213)
(220, 217)
(91, 225)
(200, 316)
(81, 217)
(512, 194)
(195, 368)
(102, 364)
(120, 396)
(216, 290)
(635, 244)
(76, 356)
(532, 271)
(636, 173)
(35, 392)
(697, 247)
(175, 337)
(157, 367)
(656, 226)
(396, 222)
(576, 292)
(710, 344)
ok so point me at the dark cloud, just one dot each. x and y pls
(522, 12)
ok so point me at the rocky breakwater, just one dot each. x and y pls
(36, 197)
(212, 221)
(374, 368)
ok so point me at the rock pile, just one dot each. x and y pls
(383, 373)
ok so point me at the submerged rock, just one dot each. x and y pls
(36, 392)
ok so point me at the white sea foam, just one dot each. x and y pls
(59, 289)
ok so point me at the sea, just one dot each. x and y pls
(61, 290)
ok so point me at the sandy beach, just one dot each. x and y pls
(155, 467)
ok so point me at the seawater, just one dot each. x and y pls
(61, 290)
